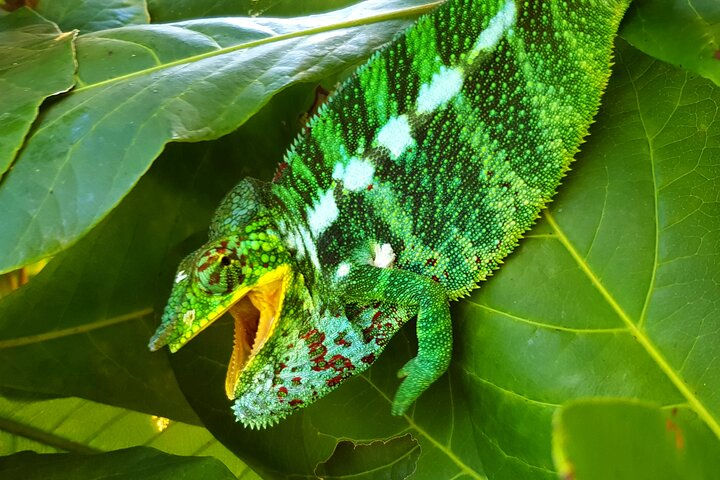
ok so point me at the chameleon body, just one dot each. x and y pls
(409, 187)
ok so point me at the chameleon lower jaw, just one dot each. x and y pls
(254, 316)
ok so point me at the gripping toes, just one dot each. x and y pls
(418, 376)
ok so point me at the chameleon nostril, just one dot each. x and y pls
(225, 261)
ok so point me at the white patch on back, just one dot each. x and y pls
(395, 135)
(384, 256)
(357, 175)
(443, 86)
(189, 317)
(181, 275)
(323, 213)
(502, 21)
(343, 270)
(310, 247)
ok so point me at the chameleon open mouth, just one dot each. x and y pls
(255, 317)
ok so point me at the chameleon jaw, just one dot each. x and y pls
(255, 316)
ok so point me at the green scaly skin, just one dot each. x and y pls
(409, 187)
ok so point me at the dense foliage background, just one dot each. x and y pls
(594, 352)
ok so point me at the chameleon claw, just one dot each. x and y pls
(406, 369)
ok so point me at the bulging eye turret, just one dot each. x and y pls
(220, 269)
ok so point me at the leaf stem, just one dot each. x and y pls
(87, 327)
(22, 430)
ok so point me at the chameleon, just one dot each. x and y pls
(408, 187)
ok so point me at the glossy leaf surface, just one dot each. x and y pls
(36, 61)
(93, 15)
(686, 34)
(615, 292)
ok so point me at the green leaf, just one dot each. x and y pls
(197, 81)
(93, 15)
(36, 61)
(81, 326)
(133, 463)
(625, 439)
(80, 426)
(393, 459)
(686, 34)
(615, 292)
(174, 10)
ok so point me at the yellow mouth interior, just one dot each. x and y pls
(255, 315)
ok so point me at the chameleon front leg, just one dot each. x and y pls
(367, 283)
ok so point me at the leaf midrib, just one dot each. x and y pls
(638, 333)
(65, 332)
(405, 12)
(44, 437)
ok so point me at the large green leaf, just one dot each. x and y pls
(195, 81)
(93, 15)
(615, 293)
(630, 440)
(685, 33)
(36, 61)
(131, 464)
(82, 426)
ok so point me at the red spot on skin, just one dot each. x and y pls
(296, 381)
(368, 358)
(205, 265)
(340, 340)
(295, 402)
(340, 363)
(282, 393)
(369, 187)
(376, 316)
(436, 278)
(334, 381)
(431, 262)
(280, 169)
(671, 426)
(319, 361)
(367, 333)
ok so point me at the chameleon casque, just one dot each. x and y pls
(409, 186)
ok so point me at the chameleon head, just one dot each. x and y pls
(244, 276)
(290, 347)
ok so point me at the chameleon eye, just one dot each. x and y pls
(218, 271)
